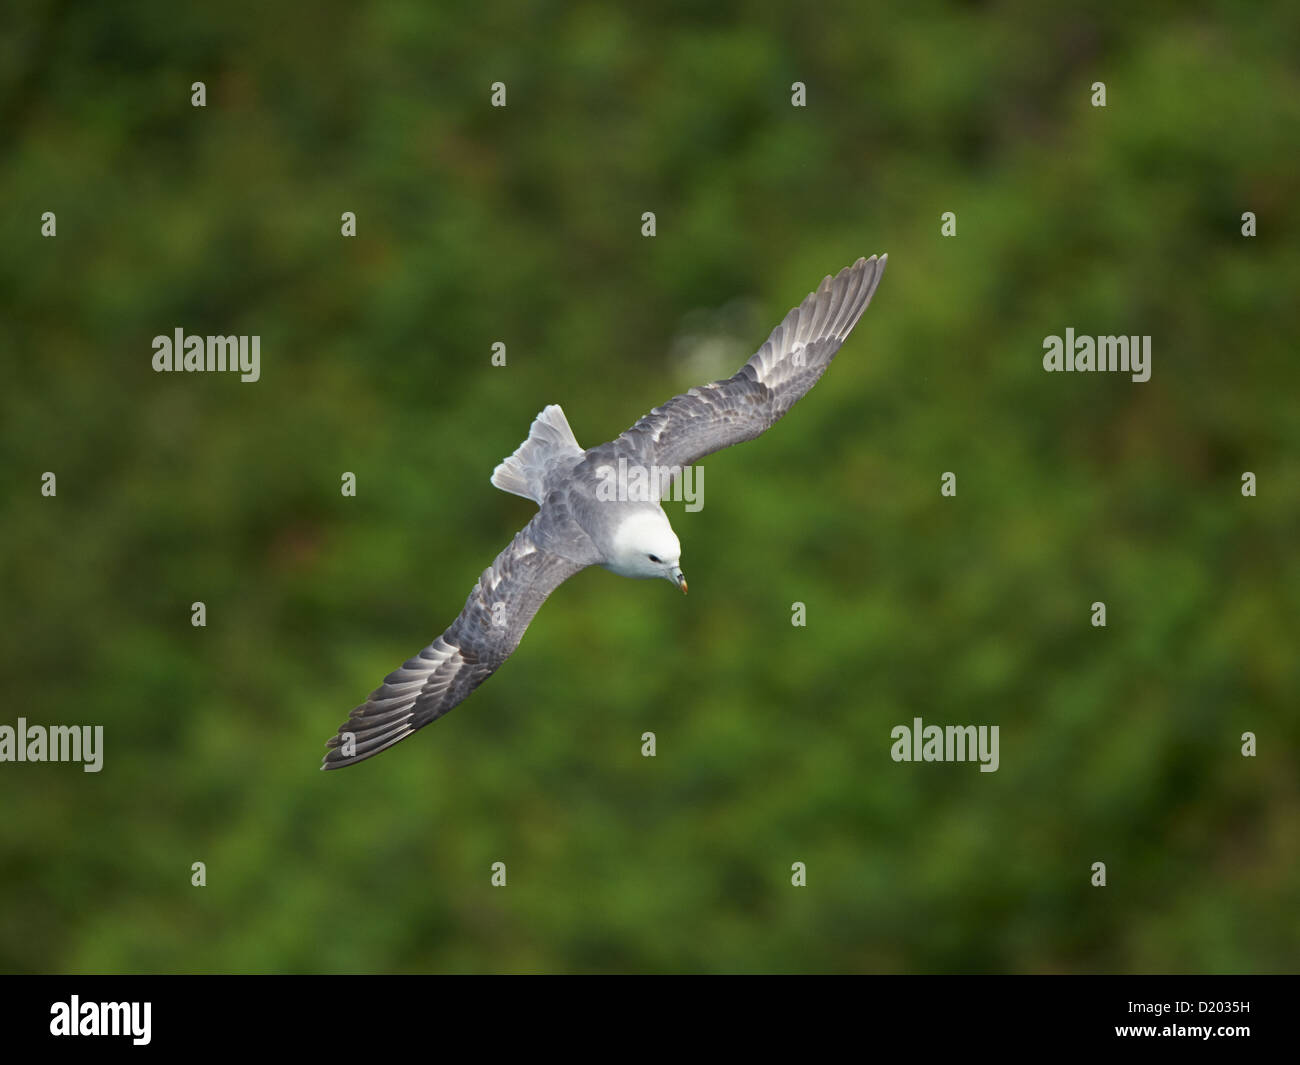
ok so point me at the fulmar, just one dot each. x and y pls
(581, 522)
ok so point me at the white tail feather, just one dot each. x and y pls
(549, 439)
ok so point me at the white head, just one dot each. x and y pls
(646, 546)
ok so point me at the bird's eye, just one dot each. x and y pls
(654, 558)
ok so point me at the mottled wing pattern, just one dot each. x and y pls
(498, 610)
(707, 419)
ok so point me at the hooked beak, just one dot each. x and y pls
(680, 578)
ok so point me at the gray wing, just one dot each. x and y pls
(498, 610)
(707, 419)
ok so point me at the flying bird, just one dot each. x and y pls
(581, 522)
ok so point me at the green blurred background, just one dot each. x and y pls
(522, 225)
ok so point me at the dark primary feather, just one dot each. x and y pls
(718, 415)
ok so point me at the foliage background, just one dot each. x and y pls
(523, 225)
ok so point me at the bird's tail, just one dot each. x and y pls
(524, 472)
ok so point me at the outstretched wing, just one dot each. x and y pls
(707, 419)
(498, 610)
